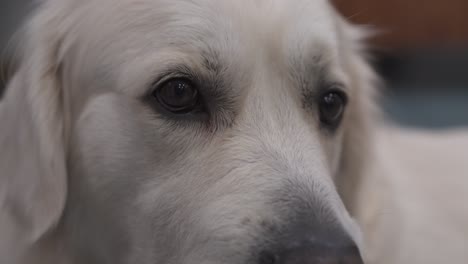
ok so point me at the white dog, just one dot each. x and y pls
(210, 131)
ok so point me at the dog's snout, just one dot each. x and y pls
(311, 248)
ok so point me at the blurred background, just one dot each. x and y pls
(421, 51)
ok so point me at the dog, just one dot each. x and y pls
(203, 131)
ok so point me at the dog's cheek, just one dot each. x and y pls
(119, 153)
(118, 140)
(102, 182)
(104, 140)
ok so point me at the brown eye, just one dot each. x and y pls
(332, 105)
(177, 95)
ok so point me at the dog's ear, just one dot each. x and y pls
(33, 136)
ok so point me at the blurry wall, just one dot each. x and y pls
(12, 14)
(422, 53)
(412, 24)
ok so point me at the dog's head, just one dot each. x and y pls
(177, 131)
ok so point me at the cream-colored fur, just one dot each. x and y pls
(91, 172)
(412, 204)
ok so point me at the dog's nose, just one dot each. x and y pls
(310, 248)
(313, 254)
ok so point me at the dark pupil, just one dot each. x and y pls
(178, 95)
(331, 108)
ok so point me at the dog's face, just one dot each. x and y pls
(207, 131)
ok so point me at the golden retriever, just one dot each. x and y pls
(209, 132)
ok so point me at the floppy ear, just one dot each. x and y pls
(33, 173)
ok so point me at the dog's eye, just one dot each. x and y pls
(331, 106)
(179, 95)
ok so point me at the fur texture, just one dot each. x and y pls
(92, 173)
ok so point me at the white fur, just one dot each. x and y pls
(91, 173)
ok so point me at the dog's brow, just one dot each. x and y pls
(305, 70)
(211, 61)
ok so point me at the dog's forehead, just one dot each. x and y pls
(294, 27)
(261, 21)
(139, 39)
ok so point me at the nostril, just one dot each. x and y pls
(268, 258)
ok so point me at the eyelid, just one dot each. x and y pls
(172, 74)
(337, 86)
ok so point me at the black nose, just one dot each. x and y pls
(313, 248)
(312, 254)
